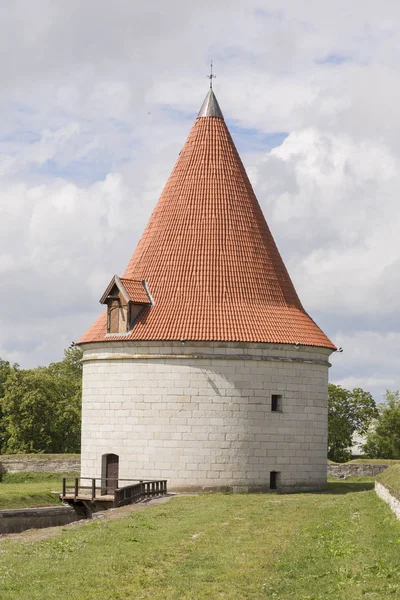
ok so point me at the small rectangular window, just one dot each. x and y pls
(276, 403)
(273, 480)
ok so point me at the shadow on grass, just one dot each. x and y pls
(347, 487)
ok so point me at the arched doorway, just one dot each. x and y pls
(110, 472)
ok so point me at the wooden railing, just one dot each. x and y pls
(139, 491)
(98, 488)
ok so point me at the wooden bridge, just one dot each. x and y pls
(100, 494)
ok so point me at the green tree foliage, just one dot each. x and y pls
(383, 441)
(40, 409)
(349, 412)
(5, 370)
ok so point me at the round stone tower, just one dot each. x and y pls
(205, 369)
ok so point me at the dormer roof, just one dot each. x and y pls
(132, 290)
(208, 256)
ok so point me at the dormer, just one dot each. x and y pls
(125, 300)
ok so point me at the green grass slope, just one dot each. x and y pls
(341, 545)
(40, 456)
(367, 461)
(373, 461)
(28, 490)
(391, 480)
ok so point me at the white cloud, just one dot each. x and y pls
(64, 238)
(369, 360)
(374, 384)
(333, 202)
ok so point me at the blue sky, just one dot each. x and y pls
(96, 106)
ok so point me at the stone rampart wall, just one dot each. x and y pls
(17, 520)
(384, 493)
(39, 463)
(342, 471)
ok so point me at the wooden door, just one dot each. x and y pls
(112, 464)
(113, 316)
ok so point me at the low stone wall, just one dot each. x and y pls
(345, 470)
(388, 498)
(17, 520)
(39, 463)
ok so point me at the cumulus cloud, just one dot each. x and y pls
(61, 244)
(333, 202)
(96, 103)
(369, 361)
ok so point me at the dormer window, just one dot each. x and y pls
(125, 300)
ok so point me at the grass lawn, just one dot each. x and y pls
(372, 461)
(24, 490)
(343, 544)
(368, 461)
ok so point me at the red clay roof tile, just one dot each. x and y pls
(136, 290)
(209, 259)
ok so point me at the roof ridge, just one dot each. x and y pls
(131, 279)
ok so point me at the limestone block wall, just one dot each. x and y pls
(199, 414)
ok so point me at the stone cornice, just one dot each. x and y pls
(95, 356)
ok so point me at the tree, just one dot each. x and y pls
(5, 370)
(384, 440)
(349, 412)
(41, 408)
(70, 366)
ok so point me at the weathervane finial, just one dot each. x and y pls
(211, 76)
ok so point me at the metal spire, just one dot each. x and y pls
(211, 76)
(210, 106)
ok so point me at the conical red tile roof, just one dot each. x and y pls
(208, 257)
